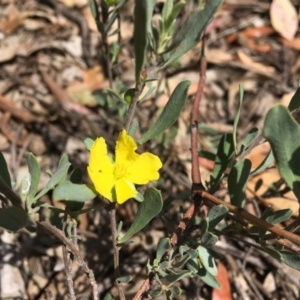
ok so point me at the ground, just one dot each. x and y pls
(52, 77)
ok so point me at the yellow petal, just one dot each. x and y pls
(125, 148)
(99, 160)
(144, 169)
(103, 183)
(124, 190)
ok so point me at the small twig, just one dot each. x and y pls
(113, 225)
(250, 218)
(61, 236)
(196, 176)
(69, 273)
(68, 265)
(131, 109)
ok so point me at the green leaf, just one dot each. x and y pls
(223, 159)
(193, 264)
(173, 15)
(35, 174)
(124, 279)
(163, 245)
(76, 176)
(170, 113)
(108, 297)
(173, 291)
(94, 9)
(207, 260)
(251, 135)
(291, 259)
(143, 12)
(208, 278)
(208, 239)
(167, 8)
(25, 186)
(171, 278)
(4, 171)
(14, 218)
(183, 260)
(278, 216)
(295, 101)
(216, 215)
(88, 142)
(273, 252)
(264, 164)
(283, 133)
(190, 33)
(155, 293)
(237, 182)
(57, 177)
(150, 208)
(237, 117)
(69, 191)
(208, 155)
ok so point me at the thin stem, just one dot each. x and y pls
(113, 225)
(131, 109)
(252, 219)
(68, 265)
(61, 236)
(196, 176)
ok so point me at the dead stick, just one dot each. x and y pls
(252, 219)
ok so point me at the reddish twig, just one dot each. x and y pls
(196, 178)
(277, 231)
(7, 105)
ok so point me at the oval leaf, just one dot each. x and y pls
(150, 208)
(143, 11)
(216, 215)
(57, 177)
(170, 112)
(190, 32)
(283, 133)
(237, 181)
(14, 218)
(291, 259)
(163, 245)
(69, 191)
(207, 260)
(35, 174)
(222, 159)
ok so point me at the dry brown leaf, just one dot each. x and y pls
(224, 293)
(248, 61)
(293, 43)
(257, 32)
(218, 56)
(284, 18)
(286, 98)
(74, 3)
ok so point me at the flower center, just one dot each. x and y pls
(120, 171)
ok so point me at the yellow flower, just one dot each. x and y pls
(115, 180)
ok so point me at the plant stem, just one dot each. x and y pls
(131, 109)
(113, 225)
